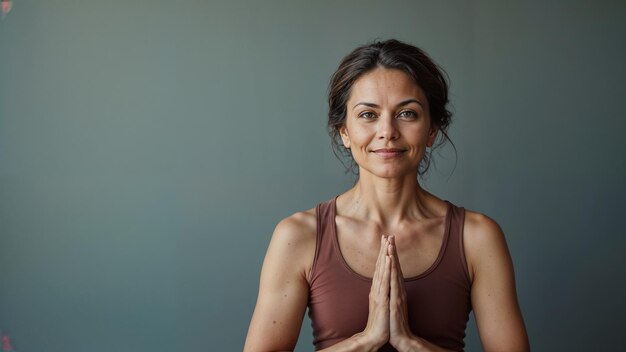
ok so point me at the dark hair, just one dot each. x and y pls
(391, 54)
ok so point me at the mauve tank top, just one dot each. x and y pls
(438, 299)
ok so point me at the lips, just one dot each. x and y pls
(387, 153)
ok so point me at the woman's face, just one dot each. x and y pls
(388, 124)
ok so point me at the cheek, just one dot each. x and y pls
(416, 134)
(358, 136)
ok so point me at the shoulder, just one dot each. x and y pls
(483, 239)
(293, 241)
(493, 294)
(297, 228)
(283, 288)
(480, 227)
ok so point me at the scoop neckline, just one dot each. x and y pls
(433, 266)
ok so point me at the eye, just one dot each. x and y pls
(407, 115)
(367, 115)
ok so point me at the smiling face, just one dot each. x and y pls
(388, 125)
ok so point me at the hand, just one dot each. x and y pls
(377, 328)
(399, 330)
(400, 335)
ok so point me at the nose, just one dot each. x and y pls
(387, 128)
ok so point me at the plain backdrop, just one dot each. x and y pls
(148, 149)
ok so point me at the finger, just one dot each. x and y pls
(385, 282)
(392, 252)
(397, 276)
(396, 257)
(380, 267)
(397, 285)
(400, 276)
(397, 302)
(393, 285)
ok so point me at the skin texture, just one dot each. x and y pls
(388, 228)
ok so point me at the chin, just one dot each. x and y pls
(392, 172)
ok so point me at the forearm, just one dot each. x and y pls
(416, 344)
(356, 343)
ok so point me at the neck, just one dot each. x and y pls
(388, 201)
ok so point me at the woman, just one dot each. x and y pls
(387, 265)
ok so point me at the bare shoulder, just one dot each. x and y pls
(483, 238)
(283, 288)
(494, 298)
(293, 240)
(298, 228)
(480, 227)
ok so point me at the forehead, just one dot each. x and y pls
(383, 85)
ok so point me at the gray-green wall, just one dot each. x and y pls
(148, 148)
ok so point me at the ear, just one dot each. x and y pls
(432, 136)
(343, 132)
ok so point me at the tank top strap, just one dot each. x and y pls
(324, 249)
(454, 256)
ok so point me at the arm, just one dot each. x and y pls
(498, 316)
(283, 293)
(283, 289)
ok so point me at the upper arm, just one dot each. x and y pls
(494, 298)
(283, 289)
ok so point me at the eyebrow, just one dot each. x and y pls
(402, 103)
